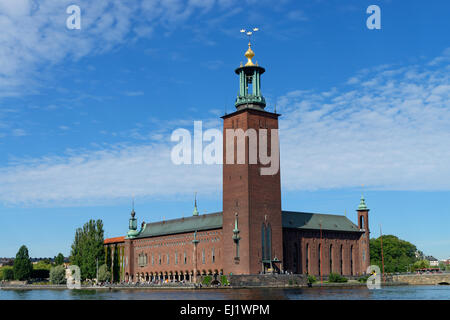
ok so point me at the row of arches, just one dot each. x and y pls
(169, 276)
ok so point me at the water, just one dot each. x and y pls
(345, 293)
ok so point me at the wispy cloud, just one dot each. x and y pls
(35, 36)
(388, 130)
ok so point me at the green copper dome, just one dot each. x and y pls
(362, 204)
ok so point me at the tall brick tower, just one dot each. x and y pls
(363, 224)
(252, 224)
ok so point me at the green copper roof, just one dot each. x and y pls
(190, 224)
(305, 220)
(296, 220)
(362, 204)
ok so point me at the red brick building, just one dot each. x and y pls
(252, 234)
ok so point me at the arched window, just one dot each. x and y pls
(351, 260)
(269, 242)
(361, 222)
(320, 259)
(331, 258)
(263, 242)
(266, 242)
(295, 262)
(307, 258)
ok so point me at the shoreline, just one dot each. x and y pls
(111, 288)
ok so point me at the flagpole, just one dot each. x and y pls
(382, 257)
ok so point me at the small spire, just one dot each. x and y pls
(362, 204)
(195, 212)
(133, 213)
(275, 109)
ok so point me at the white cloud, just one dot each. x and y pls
(34, 34)
(392, 133)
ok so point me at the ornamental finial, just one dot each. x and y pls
(249, 54)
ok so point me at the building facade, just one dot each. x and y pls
(252, 234)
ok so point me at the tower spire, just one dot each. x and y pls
(250, 79)
(195, 212)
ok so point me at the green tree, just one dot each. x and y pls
(398, 254)
(58, 275)
(87, 248)
(22, 264)
(7, 273)
(59, 259)
(421, 264)
(103, 273)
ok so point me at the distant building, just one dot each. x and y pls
(433, 261)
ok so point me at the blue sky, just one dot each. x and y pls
(86, 115)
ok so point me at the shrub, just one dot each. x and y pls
(58, 275)
(334, 277)
(7, 274)
(363, 279)
(103, 273)
(207, 280)
(311, 279)
(224, 280)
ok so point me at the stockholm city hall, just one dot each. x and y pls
(252, 234)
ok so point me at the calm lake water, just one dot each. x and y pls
(346, 293)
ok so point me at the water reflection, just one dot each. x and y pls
(319, 293)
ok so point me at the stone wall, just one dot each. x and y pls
(267, 280)
(425, 279)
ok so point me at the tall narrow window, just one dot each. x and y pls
(176, 257)
(185, 258)
(320, 259)
(263, 242)
(168, 259)
(331, 258)
(266, 242)
(269, 242)
(213, 256)
(361, 222)
(203, 256)
(351, 259)
(307, 257)
(295, 256)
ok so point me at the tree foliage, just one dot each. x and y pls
(59, 259)
(398, 254)
(108, 258)
(103, 273)
(58, 275)
(116, 265)
(22, 265)
(7, 273)
(87, 247)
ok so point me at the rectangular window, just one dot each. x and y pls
(168, 259)
(159, 258)
(213, 257)
(176, 258)
(185, 258)
(203, 256)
